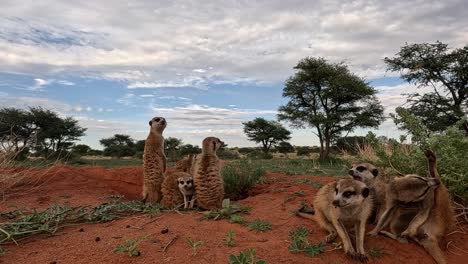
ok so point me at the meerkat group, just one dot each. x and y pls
(416, 207)
(194, 178)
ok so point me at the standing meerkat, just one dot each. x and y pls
(209, 186)
(187, 189)
(342, 205)
(367, 173)
(418, 208)
(154, 161)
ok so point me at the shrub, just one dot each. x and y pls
(239, 177)
(349, 144)
(257, 154)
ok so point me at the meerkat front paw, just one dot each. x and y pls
(330, 238)
(373, 233)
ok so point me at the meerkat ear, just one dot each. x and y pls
(214, 145)
(375, 172)
(150, 123)
(365, 192)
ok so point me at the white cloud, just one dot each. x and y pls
(27, 101)
(254, 41)
(146, 95)
(65, 82)
(89, 109)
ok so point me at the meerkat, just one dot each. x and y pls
(154, 161)
(418, 208)
(209, 186)
(186, 164)
(187, 189)
(340, 206)
(367, 173)
(171, 195)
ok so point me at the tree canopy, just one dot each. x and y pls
(119, 146)
(329, 98)
(39, 129)
(268, 133)
(445, 71)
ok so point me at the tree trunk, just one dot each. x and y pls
(322, 147)
(465, 127)
(327, 148)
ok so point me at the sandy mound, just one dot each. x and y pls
(95, 242)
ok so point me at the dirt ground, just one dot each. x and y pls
(95, 243)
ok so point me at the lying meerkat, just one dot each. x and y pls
(342, 205)
(209, 185)
(418, 208)
(187, 189)
(154, 161)
(367, 173)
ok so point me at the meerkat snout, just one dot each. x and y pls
(364, 172)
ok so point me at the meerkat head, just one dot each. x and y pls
(158, 124)
(349, 192)
(211, 144)
(364, 172)
(412, 187)
(185, 183)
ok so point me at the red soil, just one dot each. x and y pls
(271, 202)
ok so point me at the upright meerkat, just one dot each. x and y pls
(154, 161)
(209, 186)
(342, 205)
(367, 173)
(187, 189)
(418, 208)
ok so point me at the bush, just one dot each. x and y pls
(349, 144)
(450, 148)
(239, 177)
(259, 155)
(228, 154)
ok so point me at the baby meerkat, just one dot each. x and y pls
(187, 189)
(340, 206)
(367, 173)
(418, 208)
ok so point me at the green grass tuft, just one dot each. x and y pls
(259, 225)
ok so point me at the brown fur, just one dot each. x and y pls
(425, 220)
(154, 161)
(186, 164)
(209, 186)
(368, 173)
(337, 219)
(172, 197)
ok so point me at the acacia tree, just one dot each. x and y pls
(118, 146)
(285, 147)
(329, 98)
(434, 65)
(267, 132)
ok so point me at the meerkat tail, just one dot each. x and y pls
(307, 216)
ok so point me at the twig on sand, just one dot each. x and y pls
(170, 242)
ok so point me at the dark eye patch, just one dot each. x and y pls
(348, 194)
(181, 182)
(361, 168)
(157, 119)
(336, 190)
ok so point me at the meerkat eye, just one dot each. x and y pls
(348, 194)
(157, 119)
(361, 168)
(181, 182)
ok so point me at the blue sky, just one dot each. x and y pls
(207, 67)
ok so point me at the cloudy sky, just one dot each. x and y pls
(206, 66)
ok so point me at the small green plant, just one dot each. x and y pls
(228, 209)
(236, 219)
(193, 245)
(229, 239)
(130, 246)
(259, 225)
(376, 252)
(300, 243)
(245, 258)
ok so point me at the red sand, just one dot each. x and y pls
(87, 186)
